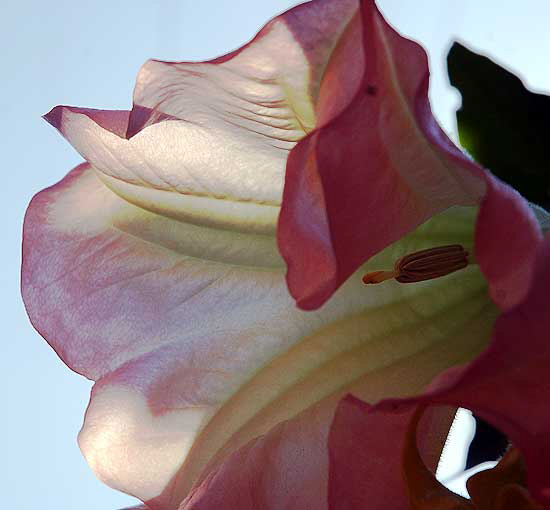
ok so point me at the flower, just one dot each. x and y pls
(153, 268)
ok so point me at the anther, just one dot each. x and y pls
(423, 265)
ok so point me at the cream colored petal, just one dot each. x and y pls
(207, 142)
(183, 171)
(197, 346)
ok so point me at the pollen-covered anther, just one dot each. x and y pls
(423, 265)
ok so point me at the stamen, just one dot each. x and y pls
(379, 276)
(423, 265)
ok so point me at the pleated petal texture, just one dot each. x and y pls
(289, 466)
(203, 131)
(377, 165)
(360, 448)
(154, 268)
(507, 385)
(195, 343)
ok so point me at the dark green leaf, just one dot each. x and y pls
(505, 127)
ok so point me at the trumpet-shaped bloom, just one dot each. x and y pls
(154, 268)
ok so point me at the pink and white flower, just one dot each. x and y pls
(155, 268)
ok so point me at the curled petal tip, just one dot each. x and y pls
(54, 116)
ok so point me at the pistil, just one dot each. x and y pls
(423, 265)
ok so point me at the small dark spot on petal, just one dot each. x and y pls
(371, 90)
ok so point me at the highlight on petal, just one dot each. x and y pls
(204, 131)
(379, 167)
(268, 87)
(195, 343)
(173, 169)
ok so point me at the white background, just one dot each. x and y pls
(87, 54)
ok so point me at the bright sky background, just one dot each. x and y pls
(87, 54)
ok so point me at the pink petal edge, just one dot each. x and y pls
(329, 225)
(507, 385)
(288, 467)
(334, 255)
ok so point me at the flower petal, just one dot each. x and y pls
(207, 142)
(113, 121)
(156, 170)
(517, 360)
(507, 385)
(365, 469)
(274, 77)
(358, 457)
(272, 472)
(289, 466)
(378, 167)
(507, 234)
(286, 468)
(196, 345)
(369, 174)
